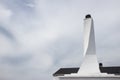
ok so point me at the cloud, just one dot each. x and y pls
(41, 62)
(6, 46)
(47, 35)
(30, 5)
(5, 14)
(15, 60)
(6, 33)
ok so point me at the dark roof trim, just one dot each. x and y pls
(109, 70)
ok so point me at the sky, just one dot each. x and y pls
(37, 37)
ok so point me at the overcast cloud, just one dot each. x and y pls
(37, 37)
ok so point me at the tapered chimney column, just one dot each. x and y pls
(90, 64)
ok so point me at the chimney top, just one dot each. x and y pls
(88, 16)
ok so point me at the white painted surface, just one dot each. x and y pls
(90, 64)
(88, 78)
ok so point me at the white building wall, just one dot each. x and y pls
(89, 78)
